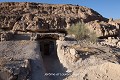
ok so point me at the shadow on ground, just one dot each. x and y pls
(54, 69)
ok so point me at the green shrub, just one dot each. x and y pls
(81, 32)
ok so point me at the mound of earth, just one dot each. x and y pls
(89, 61)
(105, 71)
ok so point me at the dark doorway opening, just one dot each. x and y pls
(48, 47)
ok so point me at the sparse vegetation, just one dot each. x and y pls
(81, 32)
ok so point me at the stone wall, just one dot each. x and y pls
(21, 60)
(66, 54)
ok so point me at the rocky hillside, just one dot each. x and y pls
(43, 17)
(117, 20)
(38, 17)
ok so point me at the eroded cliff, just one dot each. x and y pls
(43, 17)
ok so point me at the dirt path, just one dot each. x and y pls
(53, 66)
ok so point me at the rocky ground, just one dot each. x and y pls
(20, 60)
(83, 61)
(89, 61)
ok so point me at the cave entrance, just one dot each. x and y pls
(48, 51)
(47, 47)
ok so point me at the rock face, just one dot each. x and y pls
(104, 29)
(38, 17)
(43, 17)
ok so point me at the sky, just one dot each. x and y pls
(107, 8)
